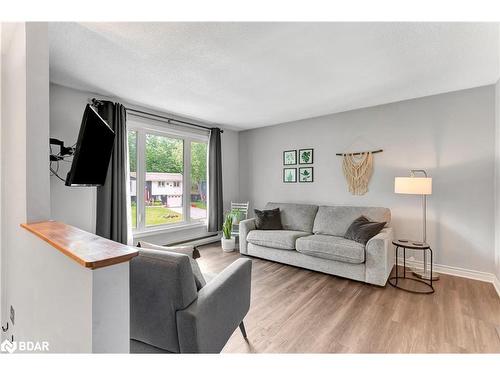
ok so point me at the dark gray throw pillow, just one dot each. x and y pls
(362, 229)
(268, 219)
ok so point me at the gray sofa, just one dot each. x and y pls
(169, 315)
(312, 238)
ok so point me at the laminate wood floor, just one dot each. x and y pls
(294, 310)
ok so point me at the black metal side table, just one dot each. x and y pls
(414, 245)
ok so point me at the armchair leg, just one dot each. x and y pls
(243, 331)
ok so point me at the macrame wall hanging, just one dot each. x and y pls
(358, 169)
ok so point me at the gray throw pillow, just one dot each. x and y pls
(190, 251)
(268, 219)
(362, 229)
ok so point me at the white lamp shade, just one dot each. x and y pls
(413, 185)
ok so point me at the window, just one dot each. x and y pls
(170, 167)
(164, 158)
(132, 149)
(198, 181)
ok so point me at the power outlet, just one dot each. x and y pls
(12, 314)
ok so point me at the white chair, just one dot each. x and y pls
(242, 210)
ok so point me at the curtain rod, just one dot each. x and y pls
(168, 119)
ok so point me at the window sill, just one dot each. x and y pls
(175, 228)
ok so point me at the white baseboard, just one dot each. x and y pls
(203, 241)
(457, 271)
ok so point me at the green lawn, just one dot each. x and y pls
(199, 204)
(156, 215)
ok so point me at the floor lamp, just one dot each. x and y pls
(422, 186)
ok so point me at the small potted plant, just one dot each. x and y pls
(228, 242)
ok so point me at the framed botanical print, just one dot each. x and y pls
(306, 156)
(306, 174)
(290, 157)
(289, 175)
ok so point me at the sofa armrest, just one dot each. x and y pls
(379, 258)
(207, 324)
(245, 227)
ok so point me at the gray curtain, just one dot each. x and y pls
(111, 215)
(215, 205)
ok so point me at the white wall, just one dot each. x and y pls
(52, 295)
(76, 206)
(38, 281)
(497, 173)
(497, 182)
(13, 129)
(37, 119)
(450, 135)
(230, 167)
(1, 251)
(497, 170)
(111, 309)
(55, 299)
(72, 205)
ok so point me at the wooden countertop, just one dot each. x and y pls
(88, 249)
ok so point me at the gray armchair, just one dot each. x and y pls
(168, 314)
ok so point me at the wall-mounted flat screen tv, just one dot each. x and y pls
(93, 151)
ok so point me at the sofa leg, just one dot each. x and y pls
(243, 331)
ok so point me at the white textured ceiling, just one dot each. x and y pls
(246, 75)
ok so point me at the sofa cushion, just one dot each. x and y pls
(331, 247)
(278, 239)
(335, 220)
(296, 216)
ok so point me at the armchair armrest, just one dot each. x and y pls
(379, 258)
(207, 323)
(245, 227)
(160, 284)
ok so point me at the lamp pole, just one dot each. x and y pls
(423, 275)
(424, 205)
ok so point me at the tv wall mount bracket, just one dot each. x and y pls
(63, 152)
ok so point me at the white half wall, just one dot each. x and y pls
(450, 135)
(111, 309)
(76, 206)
